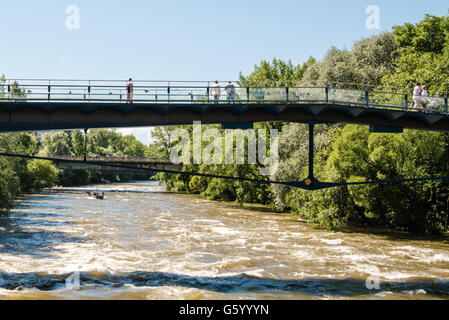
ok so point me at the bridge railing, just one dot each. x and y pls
(115, 159)
(200, 92)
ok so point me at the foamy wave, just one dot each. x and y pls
(224, 231)
(332, 241)
(439, 258)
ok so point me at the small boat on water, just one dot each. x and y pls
(95, 195)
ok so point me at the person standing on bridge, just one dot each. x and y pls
(129, 91)
(230, 90)
(416, 96)
(216, 92)
(424, 96)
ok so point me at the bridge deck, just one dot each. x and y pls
(76, 106)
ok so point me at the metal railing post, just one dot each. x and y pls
(327, 92)
(247, 94)
(286, 91)
(168, 92)
(445, 101)
(49, 90)
(208, 93)
(367, 96)
(311, 150)
(88, 91)
(406, 101)
(85, 144)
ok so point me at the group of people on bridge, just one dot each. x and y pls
(215, 92)
(420, 93)
(420, 96)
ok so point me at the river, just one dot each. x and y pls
(143, 243)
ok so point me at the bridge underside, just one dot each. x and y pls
(114, 167)
(31, 116)
(128, 172)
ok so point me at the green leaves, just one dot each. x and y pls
(278, 73)
(422, 55)
(41, 174)
(365, 64)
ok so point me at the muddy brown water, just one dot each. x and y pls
(143, 243)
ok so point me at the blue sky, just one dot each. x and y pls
(183, 40)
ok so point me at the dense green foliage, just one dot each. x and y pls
(212, 188)
(277, 73)
(41, 174)
(422, 55)
(108, 143)
(19, 175)
(353, 154)
(366, 63)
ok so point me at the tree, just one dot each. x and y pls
(133, 147)
(16, 91)
(164, 139)
(41, 174)
(278, 73)
(15, 176)
(78, 143)
(422, 55)
(418, 207)
(366, 63)
(56, 144)
(2, 86)
(9, 185)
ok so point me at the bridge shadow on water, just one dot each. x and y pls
(350, 288)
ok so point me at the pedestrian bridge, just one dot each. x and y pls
(113, 164)
(29, 105)
(42, 104)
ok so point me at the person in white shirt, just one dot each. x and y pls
(129, 91)
(416, 96)
(215, 92)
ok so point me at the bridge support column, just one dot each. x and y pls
(311, 149)
(311, 183)
(85, 144)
